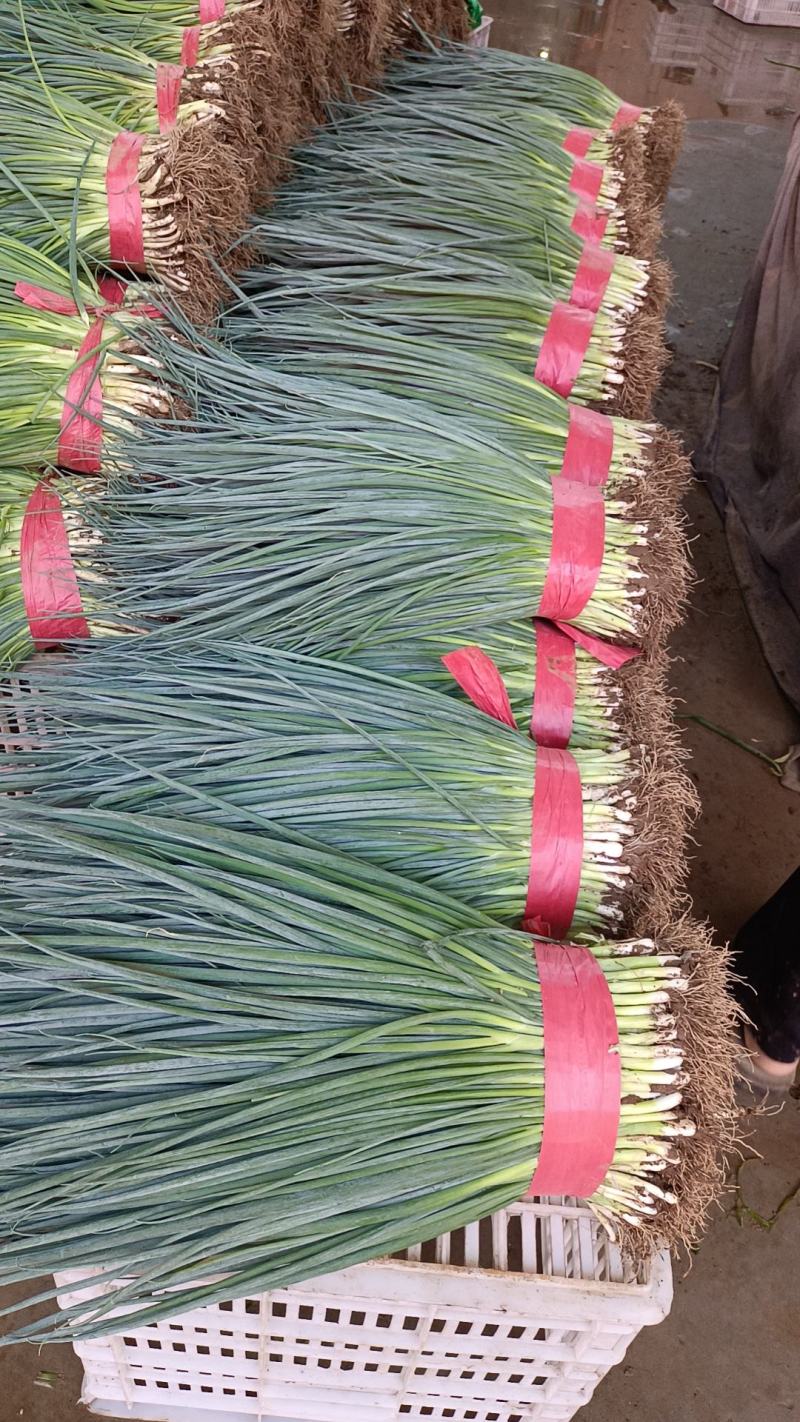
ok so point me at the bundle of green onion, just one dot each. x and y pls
(40, 348)
(54, 157)
(109, 72)
(43, 561)
(499, 135)
(395, 774)
(429, 165)
(491, 75)
(321, 517)
(230, 1062)
(463, 301)
(397, 229)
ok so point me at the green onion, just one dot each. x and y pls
(231, 1062)
(397, 228)
(40, 349)
(399, 776)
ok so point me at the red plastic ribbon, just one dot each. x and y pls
(554, 876)
(592, 276)
(586, 179)
(168, 95)
(49, 584)
(626, 114)
(80, 434)
(589, 447)
(578, 142)
(126, 240)
(576, 550)
(190, 46)
(553, 707)
(564, 346)
(111, 289)
(557, 807)
(209, 11)
(478, 676)
(582, 1073)
(588, 223)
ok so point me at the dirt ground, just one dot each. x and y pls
(730, 1350)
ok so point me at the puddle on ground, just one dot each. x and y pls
(652, 50)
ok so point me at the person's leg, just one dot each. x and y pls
(766, 957)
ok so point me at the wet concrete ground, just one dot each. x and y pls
(730, 1351)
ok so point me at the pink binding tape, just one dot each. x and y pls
(589, 447)
(111, 289)
(588, 223)
(81, 434)
(626, 114)
(209, 12)
(554, 689)
(554, 876)
(478, 676)
(564, 346)
(553, 707)
(190, 46)
(168, 95)
(556, 857)
(126, 239)
(49, 583)
(80, 437)
(578, 142)
(592, 276)
(582, 1073)
(586, 179)
(576, 550)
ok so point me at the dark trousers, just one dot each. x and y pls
(766, 955)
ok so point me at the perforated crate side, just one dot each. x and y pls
(480, 36)
(762, 12)
(513, 1320)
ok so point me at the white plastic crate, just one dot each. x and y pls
(762, 12)
(513, 1320)
(676, 37)
(479, 38)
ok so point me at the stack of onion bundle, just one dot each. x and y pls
(281, 1061)
(320, 517)
(463, 301)
(398, 775)
(495, 74)
(67, 357)
(295, 54)
(72, 181)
